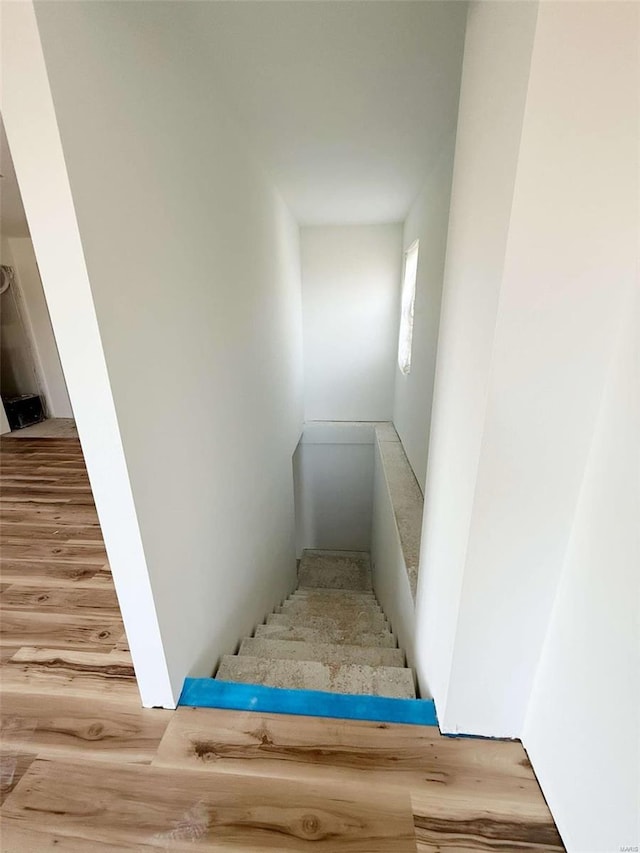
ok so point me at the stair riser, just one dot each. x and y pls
(321, 652)
(313, 580)
(359, 622)
(312, 635)
(310, 675)
(336, 610)
(329, 593)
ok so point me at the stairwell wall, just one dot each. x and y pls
(350, 305)
(193, 260)
(427, 221)
(527, 601)
(569, 263)
(588, 677)
(495, 75)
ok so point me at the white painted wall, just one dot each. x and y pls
(493, 91)
(570, 261)
(582, 730)
(333, 471)
(19, 253)
(427, 221)
(531, 500)
(350, 299)
(194, 266)
(529, 560)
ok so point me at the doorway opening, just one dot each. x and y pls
(32, 385)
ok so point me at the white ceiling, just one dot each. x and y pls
(348, 104)
(13, 222)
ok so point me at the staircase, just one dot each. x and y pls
(330, 635)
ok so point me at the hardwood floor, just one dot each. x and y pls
(85, 768)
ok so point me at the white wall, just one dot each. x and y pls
(350, 299)
(333, 471)
(570, 260)
(529, 561)
(588, 678)
(427, 221)
(493, 90)
(194, 268)
(525, 563)
(19, 253)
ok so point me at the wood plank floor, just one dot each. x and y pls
(84, 767)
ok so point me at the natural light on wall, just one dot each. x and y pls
(408, 300)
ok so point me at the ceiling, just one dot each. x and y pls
(348, 104)
(13, 222)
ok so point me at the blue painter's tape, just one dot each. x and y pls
(211, 693)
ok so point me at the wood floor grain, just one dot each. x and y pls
(84, 768)
(185, 811)
(84, 602)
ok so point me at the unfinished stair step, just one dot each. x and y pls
(336, 609)
(315, 595)
(312, 675)
(351, 622)
(335, 570)
(322, 652)
(358, 558)
(335, 635)
(327, 593)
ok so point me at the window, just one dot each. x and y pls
(408, 300)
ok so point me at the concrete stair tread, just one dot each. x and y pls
(328, 592)
(313, 675)
(333, 653)
(336, 609)
(361, 557)
(353, 621)
(333, 634)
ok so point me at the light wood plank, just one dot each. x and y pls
(91, 554)
(69, 727)
(14, 512)
(304, 747)
(41, 573)
(17, 838)
(94, 676)
(99, 603)
(14, 532)
(186, 811)
(455, 834)
(57, 630)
